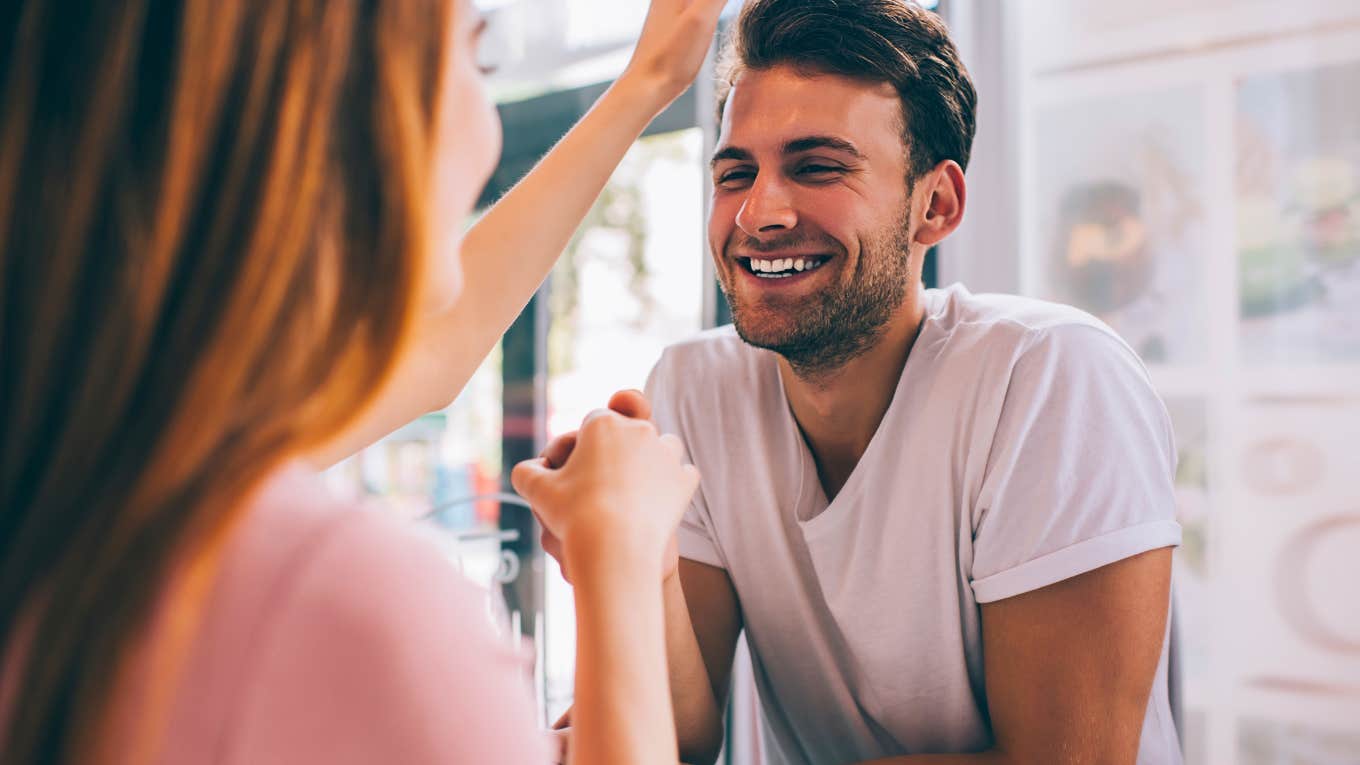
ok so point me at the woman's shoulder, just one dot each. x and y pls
(302, 553)
(339, 633)
(314, 544)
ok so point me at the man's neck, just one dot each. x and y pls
(839, 411)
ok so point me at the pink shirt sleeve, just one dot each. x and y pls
(378, 651)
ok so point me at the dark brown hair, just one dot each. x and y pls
(888, 41)
(212, 227)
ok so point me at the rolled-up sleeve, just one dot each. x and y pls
(1081, 469)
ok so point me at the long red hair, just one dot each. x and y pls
(212, 223)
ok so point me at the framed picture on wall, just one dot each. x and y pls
(1121, 216)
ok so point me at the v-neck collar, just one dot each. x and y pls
(811, 508)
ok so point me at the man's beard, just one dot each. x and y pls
(822, 332)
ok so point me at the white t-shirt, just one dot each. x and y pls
(1024, 445)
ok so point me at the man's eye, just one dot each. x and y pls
(818, 169)
(736, 176)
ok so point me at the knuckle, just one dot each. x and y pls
(597, 420)
(644, 428)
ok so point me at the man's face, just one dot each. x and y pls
(811, 172)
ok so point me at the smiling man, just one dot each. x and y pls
(944, 521)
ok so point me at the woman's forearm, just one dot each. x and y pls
(509, 252)
(506, 256)
(622, 711)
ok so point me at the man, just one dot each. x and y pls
(944, 521)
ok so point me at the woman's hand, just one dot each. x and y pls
(614, 500)
(629, 403)
(674, 40)
(619, 496)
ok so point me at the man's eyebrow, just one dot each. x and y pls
(731, 152)
(796, 146)
(800, 145)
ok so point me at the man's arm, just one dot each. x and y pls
(703, 621)
(1069, 667)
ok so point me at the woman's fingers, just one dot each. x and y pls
(615, 478)
(673, 445)
(595, 419)
(529, 478)
(553, 546)
(674, 40)
(692, 475)
(631, 403)
(559, 449)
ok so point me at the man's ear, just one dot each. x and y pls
(945, 193)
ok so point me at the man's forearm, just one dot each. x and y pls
(698, 714)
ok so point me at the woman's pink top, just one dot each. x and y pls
(336, 634)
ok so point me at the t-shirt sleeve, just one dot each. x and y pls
(1081, 469)
(379, 651)
(694, 537)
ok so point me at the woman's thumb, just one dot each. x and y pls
(529, 478)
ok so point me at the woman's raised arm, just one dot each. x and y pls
(510, 251)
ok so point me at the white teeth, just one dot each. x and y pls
(785, 264)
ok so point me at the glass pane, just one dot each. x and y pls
(1298, 213)
(1122, 216)
(438, 465)
(540, 46)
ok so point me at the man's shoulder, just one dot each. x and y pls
(1004, 315)
(1016, 325)
(1048, 349)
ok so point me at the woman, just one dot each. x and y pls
(229, 236)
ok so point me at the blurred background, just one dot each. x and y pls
(1187, 170)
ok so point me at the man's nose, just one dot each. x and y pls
(768, 206)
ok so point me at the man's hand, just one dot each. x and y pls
(629, 403)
